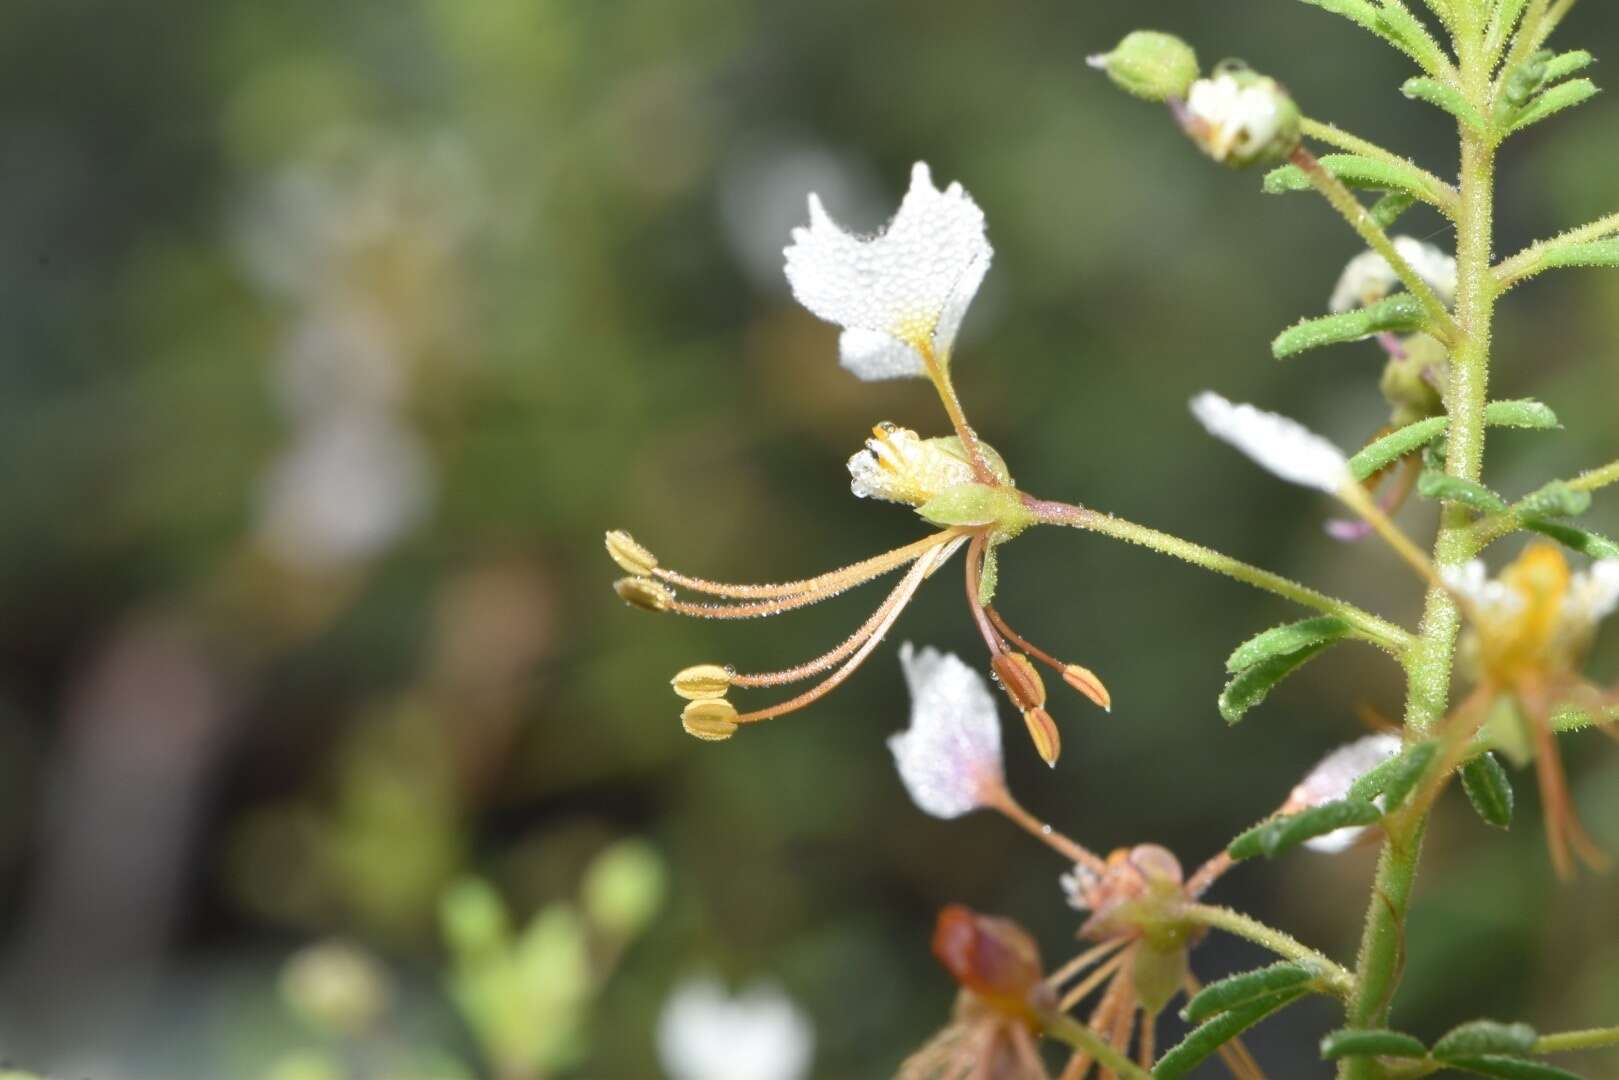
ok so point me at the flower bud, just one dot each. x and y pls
(336, 987)
(630, 555)
(1043, 730)
(702, 681)
(1241, 118)
(1085, 681)
(1020, 680)
(644, 593)
(1150, 65)
(993, 958)
(712, 719)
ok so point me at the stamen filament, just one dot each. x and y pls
(1001, 800)
(1091, 982)
(853, 574)
(1207, 874)
(1083, 961)
(902, 596)
(975, 570)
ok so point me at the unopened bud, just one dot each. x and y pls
(1150, 65)
(1020, 680)
(644, 593)
(630, 555)
(995, 959)
(1085, 681)
(701, 682)
(712, 719)
(1241, 118)
(1043, 730)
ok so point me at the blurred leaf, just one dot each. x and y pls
(1242, 988)
(1371, 1042)
(1556, 499)
(1553, 101)
(624, 887)
(1512, 1068)
(1182, 1058)
(1253, 684)
(1443, 487)
(1584, 541)
(1401, 313)
(1284, 640)
(1489, 789)
(1485, 1037)
(1279, 834)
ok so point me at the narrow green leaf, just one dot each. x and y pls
(1401, 313)
(1512, 1068)
(1568, 63)
(1593, 254)
(1478, 1037)
(1387, 210)
(1443, 96)
(1553, 101)
(1282, 640)
(1556, 499)
(1253, 684)
(1247, 986)
(1582, 540)
(1489, 789)
(1202, 1041)
(1526, 413)
(1271, 838)
(1454, 489)
(1371, 1042)
(1401, 29)
(1409, 767)
(1354, 170)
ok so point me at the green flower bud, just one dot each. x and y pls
(1150, 65)
(624, 887)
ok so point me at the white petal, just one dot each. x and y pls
(1330, 781)
(1492, 599)
(1369, 278)
(952, 751)
(1234, 118)
(1283, 446)
(703, 1034)
(911, 283)
(1593, 595)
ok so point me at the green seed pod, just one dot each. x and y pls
(1150, 65)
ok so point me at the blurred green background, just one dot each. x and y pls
(334, 336)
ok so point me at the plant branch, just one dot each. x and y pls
(1335, 977)
(1590, 1039)
(1444, 196)
(1488, 530)
(1369, 627)
(1531, 260)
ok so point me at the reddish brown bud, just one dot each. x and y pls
(1020, 680)
(993, 958)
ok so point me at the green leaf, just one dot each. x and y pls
(989, 577)
(1387, 210)
(1371, 1042)
(1408, 768)
(1512, 1068)
(1582, 540)
(1279, 834)
(1454, 489)
(1525, 413)
(1284, 640)
(1356, 171)
(1204, 1040)
(1401, 29)
(1443, 96)
(1568, 63)
(1556, 499)
(1401, 313)
(1253, 684)
(1553, 101)
(1489, 789)
(1247, 986)
(1592, 254)
(1478, 1037)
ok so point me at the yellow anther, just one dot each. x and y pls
(630, 555)
(1085, 681)
(1020, 680)
(712, 719)
(644, 593)
(702, 682)
(1043, 730)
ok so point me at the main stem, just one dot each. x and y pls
(1428, 664)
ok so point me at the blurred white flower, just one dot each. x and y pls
(1237, 115)
(343, 491)
(1331, 779)
(1284, 447)
(1539, 614)
(704, 1034)
(899, 296)
(1369, 278)
(950, 756)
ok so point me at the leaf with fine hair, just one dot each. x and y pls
(1284, 640)
(1401, 313)
(1568, 63)
(1553, 101)
(1246, 986)
(1592, 254)
(1204, 1040)
(1393, 779)
(1279, 834)
(1557, 499)
(1371, 1042)
(1584, 541)
(1489, 789)
(1442, 487)
(1443, 96)
(1387, 210)
(1505, 1067)
(1356, 171)
(1254, 683)
(1485, 1037)
(1379, 454)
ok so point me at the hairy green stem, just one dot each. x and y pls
(1440, 323)
(1488, 530)
(1444, 196)
(1530, 261)
(1429, 663)
(1065, 1028)
(1369, 627)
(1335, 977)
(1590, 1039)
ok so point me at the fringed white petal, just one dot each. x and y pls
(951, 754)
(1284, 447)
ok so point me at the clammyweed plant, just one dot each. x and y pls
(1512, 646)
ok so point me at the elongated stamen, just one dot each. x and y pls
(853, 642)
(843, 578)
(1000, 799)
(1207, 874)
(1147, 1051)
(1083, 961)
(1124, 1021)
(902, 596)
(1563, 828)
(1091, 982)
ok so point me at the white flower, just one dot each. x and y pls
(1331, 779)
(900, 295)
(1593, 595)
(703, 1034)
(1491, 599)
(900, 466)
(1538, 611)
(1369, 278)
(951, 754)
(1285, 447)
(1237, 117)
